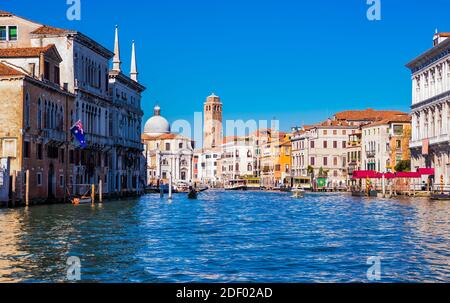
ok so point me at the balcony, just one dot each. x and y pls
(98, 141)
(370, 154)
(54, 135)
(354, 143)
(432, 140)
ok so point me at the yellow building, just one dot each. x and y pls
(399, 142)
(273, 163)
(283, 160)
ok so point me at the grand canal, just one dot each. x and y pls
(229, 237)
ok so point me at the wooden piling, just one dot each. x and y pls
(13, 188)
(27, 188)
(93, 194)
(100, 191)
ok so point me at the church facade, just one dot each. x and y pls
(168, 156)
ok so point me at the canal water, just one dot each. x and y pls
(229, 237)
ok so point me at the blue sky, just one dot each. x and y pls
(297, 61)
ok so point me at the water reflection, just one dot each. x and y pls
(229, 237)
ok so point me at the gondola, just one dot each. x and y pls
(193, 194)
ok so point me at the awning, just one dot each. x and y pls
(409, 175)
(386, 176)
(426, 171)
(364, 174)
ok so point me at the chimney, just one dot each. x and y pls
(32, 69)
(41, 66)
(438, 38)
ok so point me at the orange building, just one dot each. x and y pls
(283, 159)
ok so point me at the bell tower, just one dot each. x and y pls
(212, 126)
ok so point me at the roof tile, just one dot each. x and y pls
(367, 115)
(49, 30)
(26, 52)
(9, 71)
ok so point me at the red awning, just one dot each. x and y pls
(364, 174)
(409, 175)
(388, 176)
(426, 171)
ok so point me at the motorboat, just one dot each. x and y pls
(298, 193)
(236, 185)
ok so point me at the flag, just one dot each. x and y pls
(78, 132)
(425, 147)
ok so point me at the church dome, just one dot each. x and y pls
(157, 125)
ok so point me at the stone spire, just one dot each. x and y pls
(133, 71)
(116, 60)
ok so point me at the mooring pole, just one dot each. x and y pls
(13, 187)
(161, 189)
(170, 186)
(93, 194)
(27, 188)
(100, 191)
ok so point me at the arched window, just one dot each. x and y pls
(237, 166)
(249, 167)
(39, 114)
(27, 110)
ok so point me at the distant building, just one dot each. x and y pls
(385, 143)
(269, 147)
(237, 161)
(212, 127)
(328, 151)
(430, 108)
(300, 152)
(168, 155)
(354, 152)
(283, 161)
(208, 170)
(206, 164)
(366, 116)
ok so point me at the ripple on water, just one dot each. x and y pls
(229, 237)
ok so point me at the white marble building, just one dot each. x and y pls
(300, 153)
(125, 125)
(430, 146)
(168, 155)
(207, 166)
(238, 158)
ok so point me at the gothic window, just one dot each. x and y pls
(27, 110)
(39, 115)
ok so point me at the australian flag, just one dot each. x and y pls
(78, 132)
